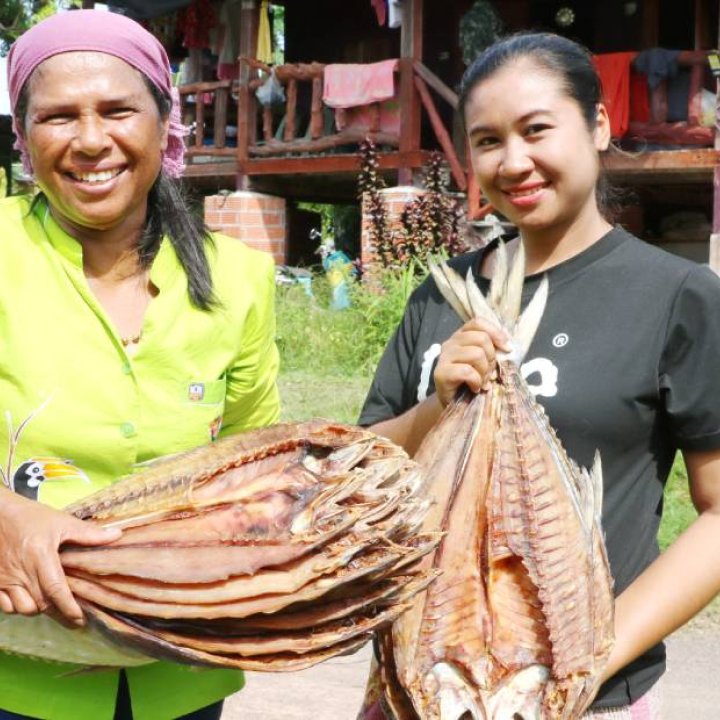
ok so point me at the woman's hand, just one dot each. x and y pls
(32, 579)
(468, 357)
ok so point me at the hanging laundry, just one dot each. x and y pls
(264, 42)
(228, 47)
(395, 13)
(350, 88)
(661, 64)
(658, 64)
(197, 21)
(350, 85)
(380, 7)
(614, 72)
(639, 97)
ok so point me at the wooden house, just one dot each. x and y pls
(253, 161)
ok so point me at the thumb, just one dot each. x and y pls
(83, 532)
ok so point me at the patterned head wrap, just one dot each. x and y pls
(97, 31)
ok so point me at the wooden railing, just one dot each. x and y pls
(315, 139)
(196, 100)
(218, 105)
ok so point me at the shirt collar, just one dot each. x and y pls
(164, 266)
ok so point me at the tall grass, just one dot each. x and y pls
(314, 337)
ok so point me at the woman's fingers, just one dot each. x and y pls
(57, 593)
(23, 603)
(6, 605)
(469, 358)
(32, 579)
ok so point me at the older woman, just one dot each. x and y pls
(129, 332)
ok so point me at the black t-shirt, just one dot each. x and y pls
(626, 360)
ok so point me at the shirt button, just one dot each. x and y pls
(127, 429)
(126, 368)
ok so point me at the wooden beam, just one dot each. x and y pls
(441, 134)
(703, 30)
(227, 169)
(411, 31)
(437, 84)
(322, 144)
(247, 130)
(411, 51)
(342, 163)
(698, 162)
(650, 23)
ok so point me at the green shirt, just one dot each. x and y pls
(99, 412)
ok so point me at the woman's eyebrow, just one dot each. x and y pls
(481, 129)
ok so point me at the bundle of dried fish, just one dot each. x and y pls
(519, 623)
(271, 550)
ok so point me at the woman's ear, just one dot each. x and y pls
(164, 132)
(602, 134)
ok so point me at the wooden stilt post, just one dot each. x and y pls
(246, 131)
(410, 52)
(714, 258)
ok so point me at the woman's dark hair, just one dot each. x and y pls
(169, 213)
(567, 60)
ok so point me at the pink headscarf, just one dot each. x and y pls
(97, 31)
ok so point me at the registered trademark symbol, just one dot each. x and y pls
(560, 340)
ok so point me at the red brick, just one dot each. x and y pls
(275, 233)
(256, 218)
(233, 231)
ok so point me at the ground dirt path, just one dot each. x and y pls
(333, 690)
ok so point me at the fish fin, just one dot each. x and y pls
(529, 321)
(478, 303)
(498, 281)
(512, 299)
(453, 291)
(596, 478)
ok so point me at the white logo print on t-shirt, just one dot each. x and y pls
(545, 368)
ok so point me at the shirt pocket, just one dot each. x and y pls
(202, 404)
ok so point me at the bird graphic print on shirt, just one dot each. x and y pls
(31, 474)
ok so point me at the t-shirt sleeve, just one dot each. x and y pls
(390, 394)
(251, 396)
(689, 373)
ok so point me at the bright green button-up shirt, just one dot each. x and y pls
(101, 411)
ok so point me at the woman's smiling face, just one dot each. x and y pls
(95, 139)
(532, 151)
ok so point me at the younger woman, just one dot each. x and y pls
(625, 357)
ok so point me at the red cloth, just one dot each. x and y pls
(639, 97)
(380, 10)
(197, 21)
(614, 72)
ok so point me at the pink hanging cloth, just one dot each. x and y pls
(350, 88)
